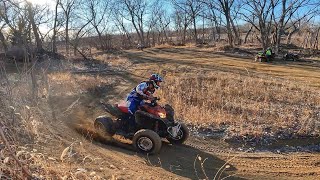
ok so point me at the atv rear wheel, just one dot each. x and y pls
(147, 141)
(181, 137)
(105, 124)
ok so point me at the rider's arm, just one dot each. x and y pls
(142, 89)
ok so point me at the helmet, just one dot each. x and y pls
(156, 79)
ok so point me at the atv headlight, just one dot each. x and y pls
(162, 115)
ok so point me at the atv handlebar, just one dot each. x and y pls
(151, 98)
(154, 101)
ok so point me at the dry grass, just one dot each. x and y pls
(22, 125)
(27, 124)
(114, 61)
(248, 100)
(65, 83)
(244, 106)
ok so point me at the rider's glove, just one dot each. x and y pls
(150, 97)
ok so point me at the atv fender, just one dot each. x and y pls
(145, 120)
(105, 124)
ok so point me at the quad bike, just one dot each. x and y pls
(152, 122)
(291, 56)
(261, 57)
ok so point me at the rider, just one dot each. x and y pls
(268, 54)
(143, 91)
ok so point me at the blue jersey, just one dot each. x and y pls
(141, 91)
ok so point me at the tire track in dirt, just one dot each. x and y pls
(265, 164)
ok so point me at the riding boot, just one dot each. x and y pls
(132, 124)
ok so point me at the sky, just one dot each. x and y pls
(50, 3)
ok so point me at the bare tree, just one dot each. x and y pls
(122, 27)
(34, 27)
(193, 8)
(98, 13)
(10, 14)
(288, 9)
(247, 34)
(225, 7)
(67, 7)
(212, 14)
(260, 15)
(55, 23)
(163, 25)
(135, 11)
(79, 32)
(153, 21)
(182, 22)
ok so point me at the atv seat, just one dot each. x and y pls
(123, 107)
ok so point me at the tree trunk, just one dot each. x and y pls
(213, 34)
(3, 42)
(165, 35)
(290, 35)
(142, 39)
(280, 26)
(101, 41)
(54, 45)
(316, 42)
(202, 30)
(264, 34)
(195, 29)
(278, 38)
(153, 39)
(264, 38)
(34, 28)
(246, 38)
(236, 33)
(75, 46)
(230, 37)
(218, 32)
(184, 35)
(67, 36)
(148, 39)
(306, 40)
(135, 25)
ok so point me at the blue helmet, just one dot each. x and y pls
(156, 79)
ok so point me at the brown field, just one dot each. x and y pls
(223, 91)
(280, 99)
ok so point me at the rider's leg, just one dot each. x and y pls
(268, 58)
(133, 107)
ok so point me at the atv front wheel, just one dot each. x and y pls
(181, 137)
(147, 141)
(105, 124)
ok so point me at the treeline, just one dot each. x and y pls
(126, 23)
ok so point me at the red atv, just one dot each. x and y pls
(153, 122)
